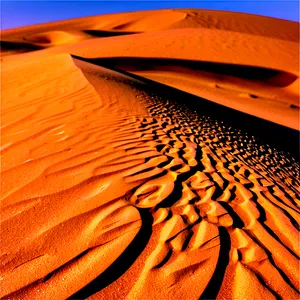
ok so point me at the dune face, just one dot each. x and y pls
(189, 51)
(51, 38)
(150, 155)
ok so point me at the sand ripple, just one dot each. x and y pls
(106, 185)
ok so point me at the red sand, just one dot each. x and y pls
(111, 191)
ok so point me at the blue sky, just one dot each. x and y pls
(21, 13)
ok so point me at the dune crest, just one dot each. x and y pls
(115, 185)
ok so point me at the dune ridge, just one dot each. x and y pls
(114, 186)
(204, 46)
(175, 18)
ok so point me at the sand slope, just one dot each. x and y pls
(188, 37)
(114, 188)
(146, 21)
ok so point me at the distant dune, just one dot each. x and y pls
(150, 155)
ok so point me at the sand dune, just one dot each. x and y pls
(259, 91)
(52, 38)
(138, 160)
(146, 21)
(200, 47)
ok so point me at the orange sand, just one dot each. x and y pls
(110, 190)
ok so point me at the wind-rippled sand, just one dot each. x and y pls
(115, 188)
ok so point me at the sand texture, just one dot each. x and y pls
(150, 155)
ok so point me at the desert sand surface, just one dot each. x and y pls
(150, 155)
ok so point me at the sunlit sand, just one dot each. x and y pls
(150, 155)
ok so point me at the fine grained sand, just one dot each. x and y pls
(113, 187)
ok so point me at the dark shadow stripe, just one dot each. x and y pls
(269, 76)
(212, 289)
(108, 33)
(123, 262)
